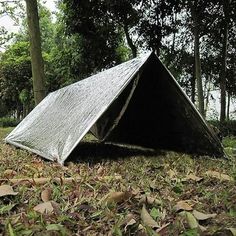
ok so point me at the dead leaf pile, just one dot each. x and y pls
(164, 194)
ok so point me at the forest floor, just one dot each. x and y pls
(111, 190)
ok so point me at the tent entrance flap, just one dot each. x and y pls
(159, 116)
(111, 117)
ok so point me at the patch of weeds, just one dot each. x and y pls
(178, 188)
(6, 208)
(232, 212)
(229, 142)
(190, 232)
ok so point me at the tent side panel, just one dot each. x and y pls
(160, 116)
(59, 122)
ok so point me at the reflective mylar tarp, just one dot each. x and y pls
(137, 102)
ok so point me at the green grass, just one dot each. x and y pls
(101, 169)
(230, 145)
(229, 142)
(4, 132)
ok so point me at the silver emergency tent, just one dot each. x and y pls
(137, 102)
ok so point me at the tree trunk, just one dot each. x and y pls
(198, 67)
(193, 88)
(207, 94)
(130, 41)
(223, 69)
(35, 51)
(228, 107)
(18, 111)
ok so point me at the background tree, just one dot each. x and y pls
(91, 36)
(15, 79)
(99, 38)
(225, 24)
(14, 11)
(15, 67)
(35, 51)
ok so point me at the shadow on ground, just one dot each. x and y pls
(95, 152)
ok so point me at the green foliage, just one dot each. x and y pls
(15, 76)
(227, 128)
(8, 122)
(100, 37)
(62, 66)
(15, 67)
(13, 10)
(91, 36)
(155, 213)
(190, 232)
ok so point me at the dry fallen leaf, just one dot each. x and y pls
(233, 231)
(192, 177)
(135, 191)
(140, 227)
(109, 177)
(146, 200)
(129, 217)
(218, 175)
(201, 216)
(226, 232)
(192, 222)
(162, 227)
(130, 223)
(202, 228)
(150, 200)
(147, 219)
(183, 205)
(6, 190)
(100, 170)
(118, 197)
(143, 200)
(47, 207)
(170, 199)
(9, 173)
(41, 181)
(46, 194)
(171, 173)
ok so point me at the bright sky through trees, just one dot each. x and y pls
(11, 26)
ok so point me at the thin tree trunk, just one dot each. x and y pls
(207, 94)
(228, 107)
(198, 71)
(18, 112)
(223, 69)
(172, 49)
(35, 51)
(193, 89)
(130, 41)
(197, 65)
(174, 35)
